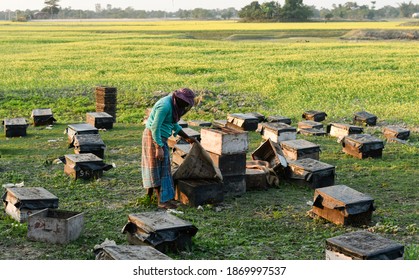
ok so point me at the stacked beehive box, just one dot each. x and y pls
(106, 99)
(101, 120)
(227, 149)
(89, 143)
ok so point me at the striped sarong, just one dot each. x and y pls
(156, 173)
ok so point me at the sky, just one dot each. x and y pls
(174, 5)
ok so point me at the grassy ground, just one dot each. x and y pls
(58, 65)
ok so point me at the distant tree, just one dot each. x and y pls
(228, 13)
(52, 7)
(251, 12)
(295, 10)
(328, 16)
(407, 9)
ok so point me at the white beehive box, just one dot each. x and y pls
(224, 141)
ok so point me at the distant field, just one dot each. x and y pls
(274, 69)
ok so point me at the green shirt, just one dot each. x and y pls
(160, 121)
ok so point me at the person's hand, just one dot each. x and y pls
(159, 153)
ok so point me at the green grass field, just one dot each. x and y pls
(274, 69)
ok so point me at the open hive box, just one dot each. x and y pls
(272, 153)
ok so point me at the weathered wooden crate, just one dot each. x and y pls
(100, 120)
(314, 115)
(107, 108)
(163, 231)
(259, 116)
(299, 149)
(311, 172)
(89, 143)
(129, 252)
(244, 122)
(19, 203)
(365, 118)
(343, 205)
(280, 119)
(363, 245)
(363, 146)
(342, 129)
(199, 123)
(15, 127)
(55, 226)
(219, 123)
(172, 141)
(230, 164)
(256, 179)
(84, 166)
(42, 117)
(180, 151)
(309, 124)
(78, 129)
(277, 131)
(222, 141)
(199, 192)
(312, 131)
(394, 131)
(234, 185)
(106, 95)
(272, 153)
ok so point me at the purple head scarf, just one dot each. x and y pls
(186, 95)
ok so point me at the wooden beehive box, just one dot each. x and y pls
(342, 129)
(199, 123)
(280, 119)
(222, 141)
(311, 172)
(42, 117)
(230, 164)
(15, 127)
(199, 192)
(259, 116)
(272, 153)
(362, 245)
(343, 205)
(300, 148)
(129, 252)
(172, 141)
(312, 131)
(309, 124)
(106, 95)
(219, 123)
(365, 118)
(278, 131)
(256, 179)
(55, 226)
(100, 120)
(394, 131)
(164, 231)
(89, 143)
(84, 166)
(234, 185)
(363, 146)
(19, 203)
(314, 115)
(180, 151)
(244, 122)
(80, 128)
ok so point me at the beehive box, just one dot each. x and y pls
(312, 131)
(107, 108)
(15, 127)
(394, 131)
(234, 185)
(230, 164)
(365, 118)
(363, 245)
(78, 129)
(84, 166)
(299, 149)
(219, 123)
(172, 141)
(222, 141)
(55, 226)
(163, 231)
(259, 116)
(42, 117)
(19, 203)
(199, 192)
(100, 120)
(256, 179)
(311, 172)
(180, 151)
(199, 123)
(363, 146)
(342, 129)
(272, 153)
(244, 122)
(280, 119)
(343, 205)
(182, 123)
(314, 115)
(129, 252)
(309, 124)
(278, 132)
(89, 143)
(106, 95)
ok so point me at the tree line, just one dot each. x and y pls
(292, 10)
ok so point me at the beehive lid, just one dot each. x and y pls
(15, 121)
(396, 129)
(191, 132)
(310, 124)
(82, 127)
(31, 198)
(88, 139)
(364, 142)
(271, 152)
(364, 245)
(41, 112)
(311, 165)
(312, 131)
(199, 123)
(182, 149)
(311, 113)
(100, 115)
(299, 144)
(278, 119)
(106, 89)
(83, 158)
(363, 115)
(157, 221)
(278, 127)
(343, 198)
(348, 127)
(257, 115)
(242, 119)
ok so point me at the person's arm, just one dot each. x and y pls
(185, 136)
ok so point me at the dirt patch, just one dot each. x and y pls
(382, 35)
